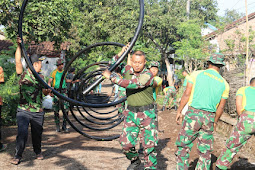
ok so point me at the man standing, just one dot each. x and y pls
(245, 127)
(30, 107)
(140, 114)
(186, 75)
(170, 92)
(54, 81)
(2, 146)
(206, 93)
(154, 68)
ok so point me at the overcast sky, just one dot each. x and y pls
(239, 5)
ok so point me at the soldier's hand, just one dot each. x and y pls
(106, 74)
(123, 49)
(214, 126)
(18, 40)
(179, 118)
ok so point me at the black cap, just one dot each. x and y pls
(34, 58)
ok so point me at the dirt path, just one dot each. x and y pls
(73, 152)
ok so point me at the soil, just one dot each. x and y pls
(71, 151)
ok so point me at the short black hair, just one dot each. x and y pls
(139, 53)
(252, 80)
(185, 71)
(217, 65)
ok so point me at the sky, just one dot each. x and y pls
(238, 5)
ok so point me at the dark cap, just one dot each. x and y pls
(34, 58)
(59, 62)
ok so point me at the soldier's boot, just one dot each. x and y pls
(57, 127)
(140, 151)
(134, 164)
(64, 128)
(163, 108)
(175, 108)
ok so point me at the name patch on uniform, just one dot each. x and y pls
(213, 76)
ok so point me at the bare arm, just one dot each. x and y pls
(219, 111)
(184, 101)
(49, 81)
(239, 106)
(19, 67)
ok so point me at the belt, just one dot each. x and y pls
(140, 108)
(249, 113)
(204, 111)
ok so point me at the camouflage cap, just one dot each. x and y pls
(59, 62)
(154, 64)
(217, 58)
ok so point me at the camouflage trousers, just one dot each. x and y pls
(140, 125)
(122, 106)
(242, 132)
(197, 124)
(56, 108)
(170, 94)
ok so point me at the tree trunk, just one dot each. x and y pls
(169, 72)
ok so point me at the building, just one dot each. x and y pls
(231, 41)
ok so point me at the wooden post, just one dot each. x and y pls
(247, 47)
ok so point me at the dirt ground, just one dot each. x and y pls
(71, 151)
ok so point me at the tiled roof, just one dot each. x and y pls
(47, 49)
(230, 26)
(5, 44)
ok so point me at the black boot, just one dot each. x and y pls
(140, 151)
(175, 108)
(216, 168)
(134, 164)
(64, 128)
(163, 108)
(57, 127)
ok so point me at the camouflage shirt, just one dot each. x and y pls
(30, 93)
(138, 85)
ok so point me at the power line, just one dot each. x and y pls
(244, 6)
(235, 4)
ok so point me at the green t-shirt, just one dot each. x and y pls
(30, 93)
(207, 90)
(56, 76)
(248, 101)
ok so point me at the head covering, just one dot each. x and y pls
(59, 62)
(34, 58)
(217, 58)
(154, 64)
(72, 70)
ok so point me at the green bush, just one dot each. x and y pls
(10, 94)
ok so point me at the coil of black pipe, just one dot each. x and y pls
(75, 102)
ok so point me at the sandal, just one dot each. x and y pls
(39, 156)
(15, 161)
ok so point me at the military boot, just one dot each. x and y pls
(134, 164)
(175, 108)
(163, 108)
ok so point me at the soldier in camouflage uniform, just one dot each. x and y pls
(30, 107)
(54, 81)
(206, 94)
(140, 113)
(170, 92)
(245, 127)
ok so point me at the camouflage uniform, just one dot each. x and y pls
(208, 89)
(243, 130)
(196, 124)
(29, 111)
(140, 115)
(171, 92)
(56, 76)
